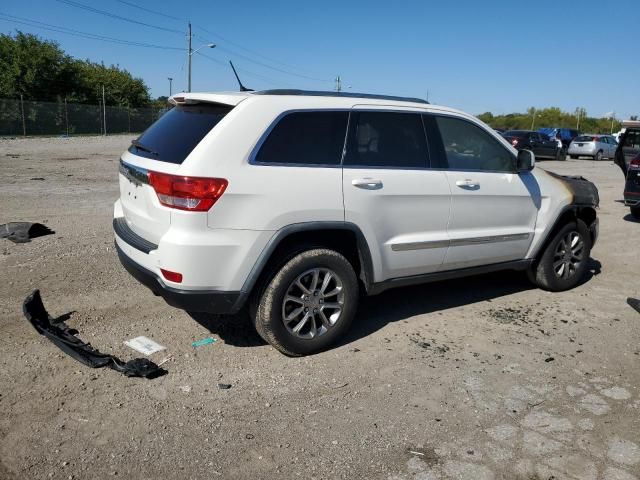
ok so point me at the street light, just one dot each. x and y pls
(170, 80)
(191, 52)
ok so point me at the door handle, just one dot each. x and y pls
(467, 183)
(367, 183)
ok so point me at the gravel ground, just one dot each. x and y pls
(477, 379)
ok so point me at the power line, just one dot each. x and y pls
(78, 33)
(151, 11)
(249, 59)
(118, 17)
(242, 70)
(276, 69)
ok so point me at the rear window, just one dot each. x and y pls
(585, 138)
(173, 137)
(306, 138)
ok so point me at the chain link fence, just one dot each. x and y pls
(22, 118)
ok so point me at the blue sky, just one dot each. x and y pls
(499, 56)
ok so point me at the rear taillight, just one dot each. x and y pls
(194, 194)
(635, 163)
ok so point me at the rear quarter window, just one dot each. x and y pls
(305, 138)
(173, 137)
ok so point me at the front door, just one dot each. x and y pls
(493, 208)
(401, 205)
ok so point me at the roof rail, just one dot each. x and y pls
(315, 93)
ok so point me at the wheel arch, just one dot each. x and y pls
(586, 213)
(344, 237)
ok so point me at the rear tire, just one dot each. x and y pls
(598, 157)
(565, 259)
(560, 155)
(308, 304)
(635, 212)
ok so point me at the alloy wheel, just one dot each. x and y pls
(313, 303)
(568, 255)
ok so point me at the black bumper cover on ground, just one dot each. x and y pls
(207, 301)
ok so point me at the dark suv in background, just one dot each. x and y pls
(565, 135)
(539, 144)
(628, 159)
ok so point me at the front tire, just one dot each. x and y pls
(564, 260)
(309, 303)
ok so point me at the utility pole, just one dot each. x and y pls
(533, 120)
(66, 115)
(104, 112)
(170, 81)
(24, 123)
(338, 84)
(190, 53)
(613, 117)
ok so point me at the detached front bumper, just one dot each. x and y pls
(190, 300)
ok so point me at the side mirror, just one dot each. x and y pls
(526, 160)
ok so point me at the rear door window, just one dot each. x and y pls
(468, 147)
(306, 138)
(173, 137)
(387, 139)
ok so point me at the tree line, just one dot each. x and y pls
(37, 69)
(552, 117)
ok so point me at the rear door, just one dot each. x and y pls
(493, 208)
(630, 146)
(392, 194)
(161, 148)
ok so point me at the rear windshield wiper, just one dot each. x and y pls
(140, 146)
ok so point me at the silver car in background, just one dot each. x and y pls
(594, 146)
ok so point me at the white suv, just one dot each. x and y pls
(295, 203)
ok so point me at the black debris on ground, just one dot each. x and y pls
(23, 232)
(634, 303)
(65, 339)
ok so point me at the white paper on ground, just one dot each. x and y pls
(144, 345)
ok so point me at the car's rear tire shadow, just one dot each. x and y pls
(236, 330)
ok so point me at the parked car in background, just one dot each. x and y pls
(541, 145)
(594, 146)
(565, 135)
(627, 157)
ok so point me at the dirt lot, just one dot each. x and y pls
(470, 379)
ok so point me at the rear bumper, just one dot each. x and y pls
(209, 301)
(582, 152)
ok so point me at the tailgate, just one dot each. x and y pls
(140, 205)
(162, 148)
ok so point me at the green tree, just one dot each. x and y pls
(34, 68)
(40, 70)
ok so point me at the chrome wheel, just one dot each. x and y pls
(313, 303)
(568, 255)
